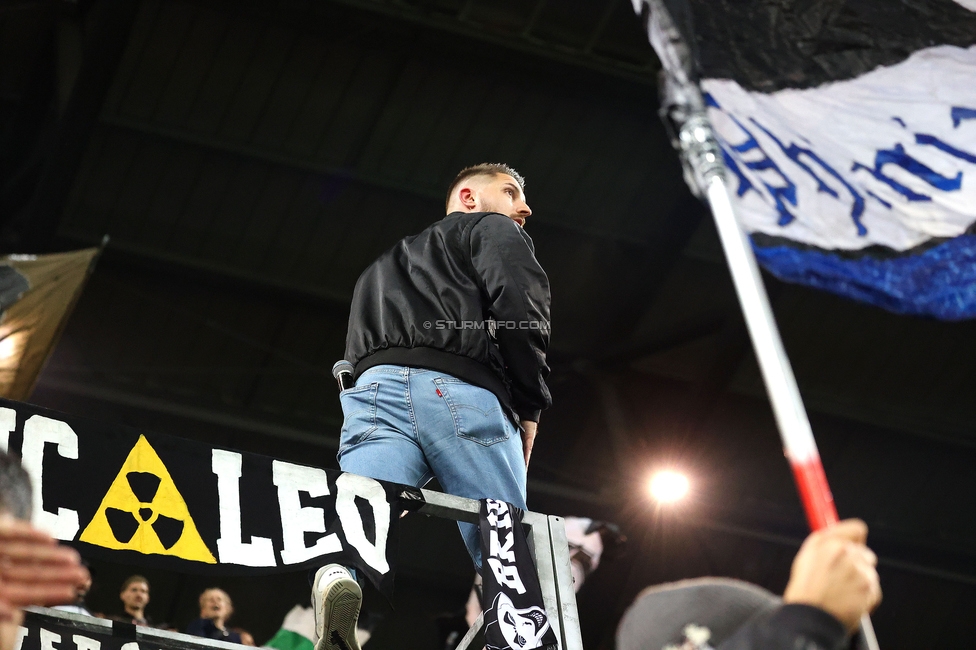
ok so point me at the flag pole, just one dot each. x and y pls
(784, 395)
(683, 106)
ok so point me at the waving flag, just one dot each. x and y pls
(849, 133)
(37, 295)
(297, 631)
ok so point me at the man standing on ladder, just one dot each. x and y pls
(448, 332)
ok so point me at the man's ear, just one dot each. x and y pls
(466, 194)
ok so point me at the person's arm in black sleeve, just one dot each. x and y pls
(833, 583)
(518, 295)
(789, 627)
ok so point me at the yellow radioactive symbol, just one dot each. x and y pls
(144, 512)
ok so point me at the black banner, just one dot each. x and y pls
(515, 615)
(157, 500)
(767, 45)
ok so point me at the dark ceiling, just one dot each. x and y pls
(249, 159)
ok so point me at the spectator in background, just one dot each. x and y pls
(215, 609)
(35, 570)
(833, 583)
(134, 596)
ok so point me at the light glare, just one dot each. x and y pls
(668, 487)
(9, 347)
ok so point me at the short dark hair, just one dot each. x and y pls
(484, 169)
(132, 580)
(15, 487)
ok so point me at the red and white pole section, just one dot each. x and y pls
(784, 395)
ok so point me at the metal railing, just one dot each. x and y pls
(546, 536)
(549, 547)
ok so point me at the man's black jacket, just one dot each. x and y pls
(789, 627)
(427, 303)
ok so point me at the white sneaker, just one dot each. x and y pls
(336, 599)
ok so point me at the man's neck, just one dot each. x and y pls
(136, 612)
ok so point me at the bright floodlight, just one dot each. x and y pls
(668, 486)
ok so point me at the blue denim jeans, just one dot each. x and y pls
(409, 425)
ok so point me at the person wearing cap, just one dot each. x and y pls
(833, 583)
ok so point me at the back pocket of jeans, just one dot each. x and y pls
(476, 412)
(359, 414)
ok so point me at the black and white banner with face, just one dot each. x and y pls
(515, 617)
(155, 500)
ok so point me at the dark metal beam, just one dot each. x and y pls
(462, 25)
(110, 22)
(120, 254)
(688, 332)
(533, 18)
(201, 414)
(29, 109)
(601, 25)
(794, 542)
(264, 155)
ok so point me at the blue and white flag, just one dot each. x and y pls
(852, 166)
